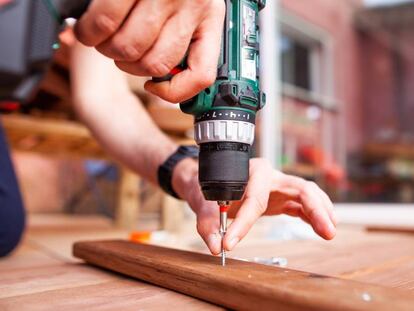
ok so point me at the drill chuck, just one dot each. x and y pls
(225, 138)
(223, 170)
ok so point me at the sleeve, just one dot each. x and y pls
(12, 215)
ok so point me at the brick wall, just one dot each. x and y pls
(388, 80)
(337, 19)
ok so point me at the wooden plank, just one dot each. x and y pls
(240, 285)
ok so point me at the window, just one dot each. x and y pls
(309, 122)
(296, 65)
(306, 62)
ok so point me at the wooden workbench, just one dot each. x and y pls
(42, 275)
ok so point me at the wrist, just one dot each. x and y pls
(185, 178)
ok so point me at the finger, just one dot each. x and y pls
(208, 225)
(279, 197)
(314, 205)
(102, 19)
(294, 209)
(291, 208)
(296, 182)
(138, 33)
(282, 208)
(329, 206)
(167, 52)
(315, 210)
(253, 206)
(202, 61)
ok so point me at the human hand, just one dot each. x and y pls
(151, 37)
(269, 192)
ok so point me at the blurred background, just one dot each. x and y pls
(339, 76)
(347, 70)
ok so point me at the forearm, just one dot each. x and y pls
(116, 117)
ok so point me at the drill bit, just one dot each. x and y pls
(223, 227)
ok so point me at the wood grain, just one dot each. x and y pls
(123, 294)
(240, 285)
(379, 258)
(391, 229)
(51, 277)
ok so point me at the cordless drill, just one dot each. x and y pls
(225, 113)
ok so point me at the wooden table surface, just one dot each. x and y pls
(42, 275)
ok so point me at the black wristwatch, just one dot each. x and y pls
(165, 171)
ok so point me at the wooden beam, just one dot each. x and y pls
(391, 229)
(240, 285)
(172, 214)
(51, 136)
(388, 150)
(128, 203)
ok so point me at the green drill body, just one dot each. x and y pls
(225, 113)
(237, 85)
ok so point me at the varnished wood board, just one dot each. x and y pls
(240, 285)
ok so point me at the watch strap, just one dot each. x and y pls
(165, 171)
